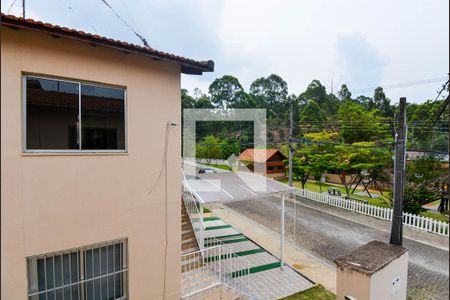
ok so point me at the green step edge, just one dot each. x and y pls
(244, 239)
(242, 253)
(218, 227)
(224, 236)
(254, 270)
(211, 219)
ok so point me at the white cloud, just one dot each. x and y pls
(396, 41)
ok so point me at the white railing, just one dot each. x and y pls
(232, 269)
(212, 267)
(214, 263)
(411, 220)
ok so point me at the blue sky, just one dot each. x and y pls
(361, 43)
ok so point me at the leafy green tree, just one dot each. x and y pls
(318, 92)
(186, 100)
(209, 148)
(271, 93)
(357, 124)
(226, 91)
(381, 103)
(344, 94)
(363, 101)
(424, 169)
(312, 113)
(301, 165)
(415, 197)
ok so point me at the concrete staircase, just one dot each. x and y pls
(193, 274)
(188, 240)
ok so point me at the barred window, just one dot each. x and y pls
(92, 272)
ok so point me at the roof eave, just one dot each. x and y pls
(187, 66)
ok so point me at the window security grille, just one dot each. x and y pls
(87, 273)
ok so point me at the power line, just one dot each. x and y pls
(143, 40)
(401, 84)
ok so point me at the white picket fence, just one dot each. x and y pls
(411, 220)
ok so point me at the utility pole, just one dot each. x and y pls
(448, 150)
(399, 172)
(291, 125)
(23, 9)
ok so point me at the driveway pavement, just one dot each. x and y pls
(328, 232)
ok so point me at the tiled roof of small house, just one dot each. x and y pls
(258, 155)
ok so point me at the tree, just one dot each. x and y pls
(226, 91)
(209, 148)
(186, 100)
(357, 124)
(344, 94)
(312, 114)
(301, 165)
(381, 103)
(319, 153)
(271, 93)
(363, 101)
(317, 92)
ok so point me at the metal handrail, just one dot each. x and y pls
(217, 258)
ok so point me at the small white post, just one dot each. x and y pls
(282, 233)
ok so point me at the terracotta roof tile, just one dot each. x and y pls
(188, 66)
(258, 155)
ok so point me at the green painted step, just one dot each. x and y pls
(225, 236)
(218, 227)
(211, 219)
(254, 270)
(244, 239)
(242, 253)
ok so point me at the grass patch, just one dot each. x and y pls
(314, 187)
(436, 216)
(317, 292)
(223, 167)
(206, 210)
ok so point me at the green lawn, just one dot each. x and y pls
(317, 292)
(314, 187)
(436, 216)
(223, 167)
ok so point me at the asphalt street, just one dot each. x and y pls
(323, 232)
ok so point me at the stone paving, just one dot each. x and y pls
(329, 232)
(270, 283)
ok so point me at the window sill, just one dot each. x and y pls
(86, 153)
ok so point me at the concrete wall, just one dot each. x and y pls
(352, 283)
(52, 202)
(382, 281)
(377, 286)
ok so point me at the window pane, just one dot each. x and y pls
(102, 118)
(51, 112)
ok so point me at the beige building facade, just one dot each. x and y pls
(81, 203)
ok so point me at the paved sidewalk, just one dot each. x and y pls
(268, 281)
(314, 268)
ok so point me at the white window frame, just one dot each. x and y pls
(79, 82)
(32, 265)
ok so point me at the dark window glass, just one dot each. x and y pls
(52, 114)
(102, 118)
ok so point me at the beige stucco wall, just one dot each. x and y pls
(56, 202)
(381, 281)
(352, 283)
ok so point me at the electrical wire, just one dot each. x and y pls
(164, 169)
(143, 40)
